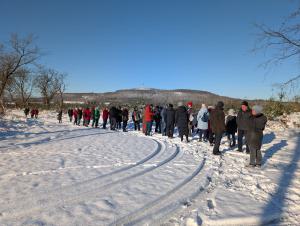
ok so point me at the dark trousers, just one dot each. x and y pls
(170, 130)
(137, 125)
(218, 138)
(75, 120)
(86, 122)
(124, 126)
(157, 126)
(96, 122)
(255, 156)
(78, 121)
(204, 133)
(119, 124)
(148, 128)
(104, 123)
(231, 138)
(211, 137)
(113, 123)
(70, 118)
(241, 134)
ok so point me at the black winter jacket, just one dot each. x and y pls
(255, 131)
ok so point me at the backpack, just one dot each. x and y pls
(204, 117)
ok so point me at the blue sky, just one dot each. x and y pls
(167, 44)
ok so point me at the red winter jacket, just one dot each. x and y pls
(75, 113)
(105, 114)
(148, 115)
(87, 114)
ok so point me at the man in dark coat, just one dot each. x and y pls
(70, 113)
(157, 119)
(257, 124)
(242, 120)
(26, 111)
(119, 117)
(181, 121)
(79, 116)
(113, 114)
(217, 123)
(170, 120)
(136, 118)
(125, 117)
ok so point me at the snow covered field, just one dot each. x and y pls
(61, 174)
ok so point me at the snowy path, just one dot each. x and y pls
(87, 176)
(54, 174)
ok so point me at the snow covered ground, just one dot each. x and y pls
(61, 174)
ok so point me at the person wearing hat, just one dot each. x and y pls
(242, 120)
(217, 123)
(255, 134)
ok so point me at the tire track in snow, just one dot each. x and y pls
(130, 165)
(155, 206)
(87, 190)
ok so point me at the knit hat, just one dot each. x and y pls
(257, 108)
(220, 104)
(244, 102)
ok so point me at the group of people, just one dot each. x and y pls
(87, 115)
(33, 113)
(209, 123)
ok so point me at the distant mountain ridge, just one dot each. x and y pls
(148, 95)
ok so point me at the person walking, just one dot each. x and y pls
(257, 123)
(242, 120)
(59, 116)
(217, 122)
(202, 118)
(70, 114)
(170, 121)
(231, 127)
(26, 111)
(182, 121)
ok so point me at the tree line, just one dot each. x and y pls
(21, 75)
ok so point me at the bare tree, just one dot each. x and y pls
(21, 87)
(50, 83)
(283, 43)
(61, 89)
(20, 53)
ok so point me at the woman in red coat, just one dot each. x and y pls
(148, 117)
(105, 115)
(87, 116)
